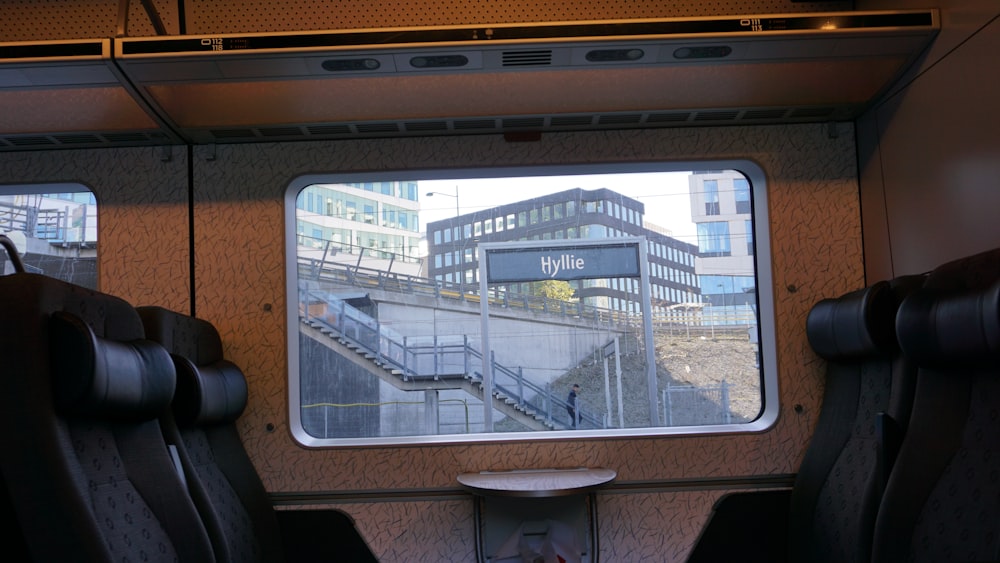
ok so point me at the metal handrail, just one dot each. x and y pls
(367, 334)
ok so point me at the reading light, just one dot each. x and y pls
(614, 55)
(710, 52)
(340, 65)
(439, 61)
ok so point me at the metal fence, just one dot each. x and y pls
(695, 406)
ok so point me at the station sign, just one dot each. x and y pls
(563, 262)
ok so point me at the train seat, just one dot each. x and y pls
(865, 411)
(829, 514)
(211, 395)
(941, 501)
(87, 473)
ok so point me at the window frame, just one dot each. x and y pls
(756, 177)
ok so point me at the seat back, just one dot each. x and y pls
(87, 472)
(837, 489)
(942, 501)
(211, 395)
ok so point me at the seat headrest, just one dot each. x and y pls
(95, 376)
(854, 326)
(181, 334)
(209, 394)
(947, 328)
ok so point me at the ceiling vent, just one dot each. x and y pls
(527, 58)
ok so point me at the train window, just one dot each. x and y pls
(55, 229)
(591, 301)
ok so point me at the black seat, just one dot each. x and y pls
(866, 407)
(942, 501)
(211, 395)
(830, 512)
(87, 473)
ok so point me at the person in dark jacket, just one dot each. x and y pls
(571, 404)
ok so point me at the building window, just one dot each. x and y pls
(741, 188)
(55, 229)
(713, 239)
(711, 188)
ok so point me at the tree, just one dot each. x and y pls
(553, 289)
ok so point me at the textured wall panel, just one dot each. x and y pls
(816, 245)
(418, 530)
(142, 215)
(652, 526)
(22, 20)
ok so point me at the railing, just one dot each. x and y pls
(360, 276)
(385, 345)
(456, 417)
(688, 405)
(538, 398)
(46, 224)
(698, 320)
(434, 360)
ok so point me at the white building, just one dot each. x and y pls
(721, 207)
(376, 221)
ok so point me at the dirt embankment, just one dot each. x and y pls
(703, 362)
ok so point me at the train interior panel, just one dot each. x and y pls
(499, 281)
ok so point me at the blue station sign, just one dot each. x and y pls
(610, 260)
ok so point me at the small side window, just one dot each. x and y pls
(55, 229)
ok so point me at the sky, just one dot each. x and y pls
(665, 195)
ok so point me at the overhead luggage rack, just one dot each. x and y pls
(420, 81)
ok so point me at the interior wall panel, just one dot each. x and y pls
(240, 286)
(929, 154)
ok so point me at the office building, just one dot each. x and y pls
(571, 214)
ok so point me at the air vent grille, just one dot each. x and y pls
(233, 134)
(540, 57)
(80, 140)
(280, 132)
(571, 120)
(425, 126)
(716, 115)
(473, 124)
(776, 113)
(524, 122)
(623, 119)
(535, 123)
(328, 129)
(378, 128)
(811, 113)
(31, 141)
(672, 117)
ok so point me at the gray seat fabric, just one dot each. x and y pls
(87, 472)
(839, 484)
(211, 395)
(942, 501)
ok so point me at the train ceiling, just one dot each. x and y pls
(516, 79)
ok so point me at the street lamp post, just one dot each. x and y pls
(457, 212)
